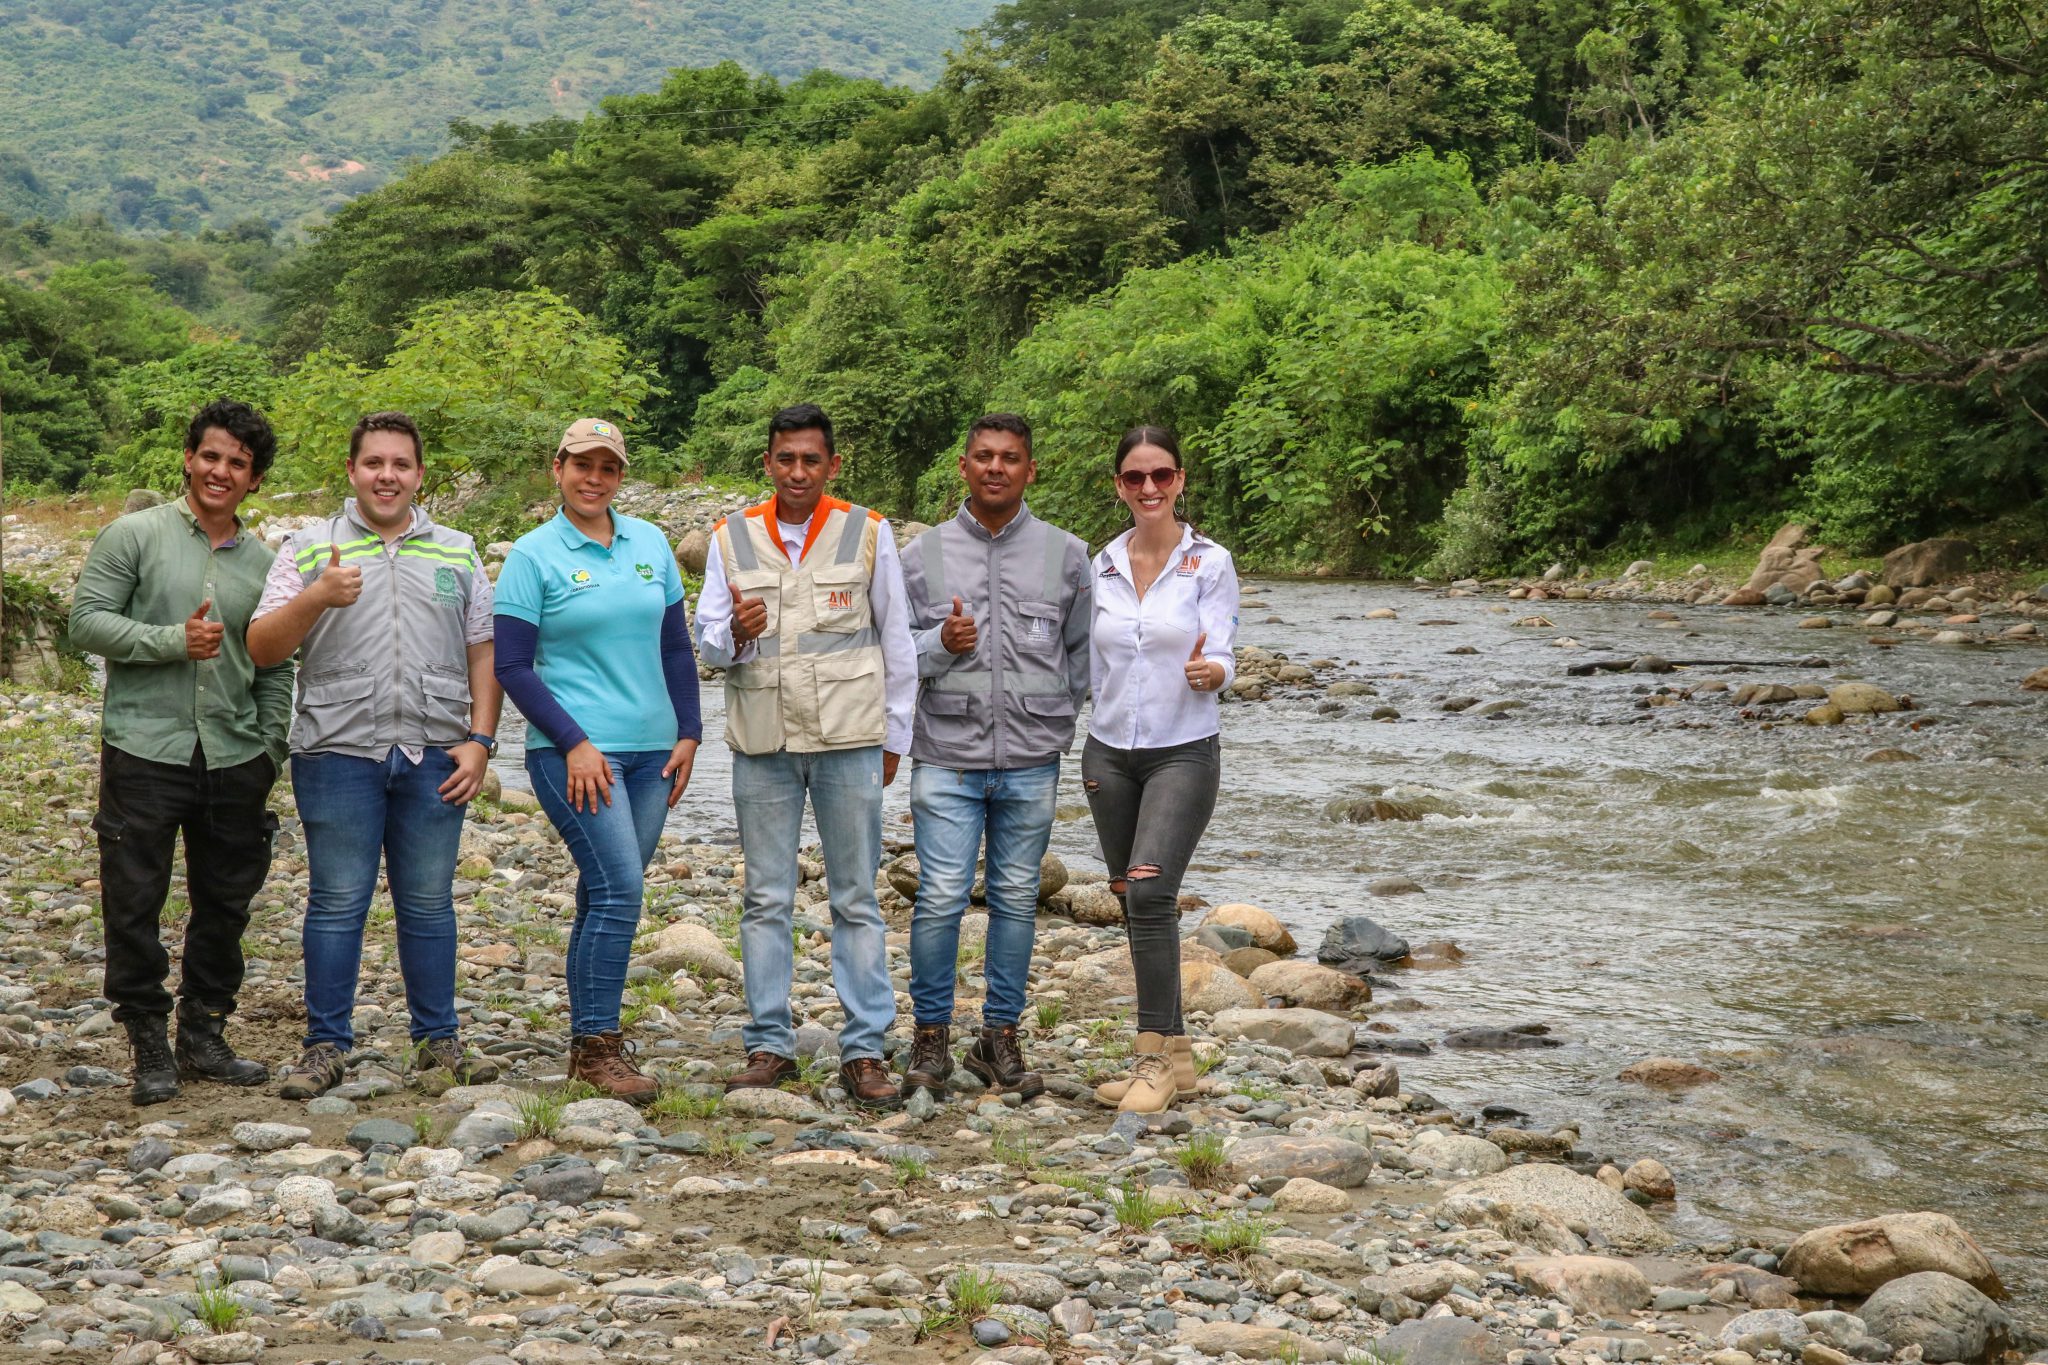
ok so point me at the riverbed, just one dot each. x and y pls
(1857, 947)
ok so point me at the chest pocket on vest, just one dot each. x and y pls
(839, 598)
(1036, 625)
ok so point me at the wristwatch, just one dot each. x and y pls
(490, 744)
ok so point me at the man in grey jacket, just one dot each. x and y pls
(999, 606)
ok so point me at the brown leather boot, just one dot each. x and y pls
(931, 1061)
(866, 1082)
(763, 1071)
(1181, 1049)
(998, 1058)
(605, 1060)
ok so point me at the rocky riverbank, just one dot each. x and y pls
(1306, 1205)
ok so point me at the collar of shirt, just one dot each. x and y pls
(1118, 553)
(965, 516)
(192, 521)
(573, 537)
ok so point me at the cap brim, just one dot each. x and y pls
(580, 447)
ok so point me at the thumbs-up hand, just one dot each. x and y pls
(202, 637)
(1204, 675)
(958, 634)
(339, 584)
(749, 617)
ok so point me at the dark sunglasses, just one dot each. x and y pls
(1135, 479)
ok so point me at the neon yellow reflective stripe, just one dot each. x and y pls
(447, 552)
(311, 553)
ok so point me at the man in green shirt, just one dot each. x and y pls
(192, 737)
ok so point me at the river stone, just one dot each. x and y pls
(1052, 877)
(421, 1163)
(1249, 1341)
(1667, 1073)
(1033, 1286)
(1599, 1285)
(1651, 1178)
(683, 945)
(1302, 1195)
(1457, 1153)
(567, 1184)
(1425, 1281)
(1307, 1033)
(1945, 1317)
(2037, 681)
(220, 1204)
(1310, 986)
(438, 1248)
(1439, 1341)
(222, 1348)
(1861, 699)
(1212, 988)
(141, 499)
(616, 1115)
(1570, 1198)
(1858, 1258)
(760, 1102)
(693, 549)
(1334, 1161)
(1266, 931)
(1356, 937)
(1927, 562)
(1244, 961)
(380, 1133)
(19, 1298)
(1766, 1329)
(298, 1197)
(484, 1129)
(1095, 904)
(268, 1137)
(516, 1279)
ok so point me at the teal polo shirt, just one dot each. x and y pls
(598, 611)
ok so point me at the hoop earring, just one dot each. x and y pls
(1180, 508)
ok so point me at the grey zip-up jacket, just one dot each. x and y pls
(393, 667)
(1013, 700)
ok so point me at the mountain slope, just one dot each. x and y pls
(166, 113)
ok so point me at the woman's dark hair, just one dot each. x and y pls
(385, 421)
(1165, 440)
(240, 421)
(1001, 421)
(802, 417)
(1147, 436)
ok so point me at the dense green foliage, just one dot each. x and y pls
(181, 113)
(1476, 284)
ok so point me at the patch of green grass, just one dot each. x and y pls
(1095, 1071)
(681, 1104)
(1099, 1030)
(1207, 1063)
(1013, 1146)
(1137, 1208)
(1233, 1238)
(572, 1090)
(1049, 1013)
(1254, 1089)
(540, 1114)
(909, 1170)
(1094, 1186)
(969, 960)
(219, 1308)
(1201, 1159)
(428, 1130)
(1287, 1353)
(726, 1149)
(811, 1076)
(971, 1295)
(536, 1017)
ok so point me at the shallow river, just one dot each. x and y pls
(1858, 948)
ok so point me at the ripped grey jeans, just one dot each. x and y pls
(1150, 808)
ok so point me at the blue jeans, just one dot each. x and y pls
(845, 790)
(356, 811)
(951, 809)
(612, 847)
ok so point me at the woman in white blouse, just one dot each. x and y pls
(1162, 651)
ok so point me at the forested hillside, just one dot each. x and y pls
(1467, 285)
(183, 113)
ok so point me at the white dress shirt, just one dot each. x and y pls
(1141, 646)
(885, 598)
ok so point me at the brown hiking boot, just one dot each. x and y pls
(763, 1071)
(931, 1060)
(998, 1058)
(866, 1081)
(605, 1061)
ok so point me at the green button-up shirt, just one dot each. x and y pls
(145, 575)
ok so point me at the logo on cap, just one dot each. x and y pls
(601, 429)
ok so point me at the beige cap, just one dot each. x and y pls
(593, 433)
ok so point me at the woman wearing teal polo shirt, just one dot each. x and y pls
(594, 649)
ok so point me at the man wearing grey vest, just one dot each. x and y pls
(397, 708)
(999, 602)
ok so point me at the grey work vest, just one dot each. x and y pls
(1012, 702)
(392, 667)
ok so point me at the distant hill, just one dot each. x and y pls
(182, 113)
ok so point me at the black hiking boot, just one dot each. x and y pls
(156, 1072)
(203, 1050)
(998, 1058)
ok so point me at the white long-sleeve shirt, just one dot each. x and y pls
(1140, 647)
(885, 598)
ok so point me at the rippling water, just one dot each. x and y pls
(1859, 948)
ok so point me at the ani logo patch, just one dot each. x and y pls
(1037, 630)
(839, 599)
(646, 572)
(447, 589)
(1188, 565)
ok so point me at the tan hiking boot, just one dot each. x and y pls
(605, 1061)
(1181, 1049)
(1152, 1089)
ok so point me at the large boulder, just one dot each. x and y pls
(1211, 987)
(1946, 1318)
(682, 945)
(1306, 1033)
(1569, 1197)
(1860, 1258)
(1599, 1285)
(1095, 904)
(1794, 568)
(1266, 931)
(1335, 1161)
(1862, 699)
(141, 500)
(1310, 986)
(692, 550)
(1439, 1341)
(1358, 943)
(1457, 1153)
(1925, 563)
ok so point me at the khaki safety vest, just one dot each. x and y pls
(815, 681)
